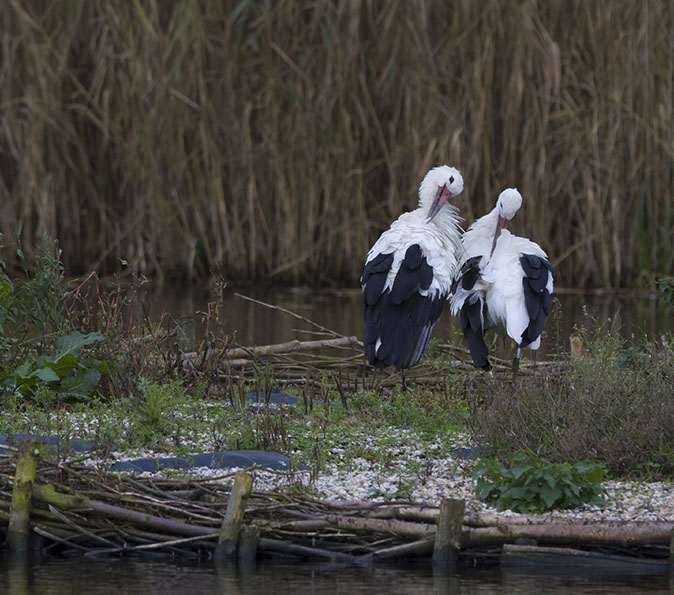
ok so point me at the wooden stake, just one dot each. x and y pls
(249, 538)
(448, 535)
(231, 524)
(18, 532)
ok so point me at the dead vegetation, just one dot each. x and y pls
(611, 404)
(276, 140)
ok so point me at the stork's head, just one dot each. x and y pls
(508, 203)
(437, 187)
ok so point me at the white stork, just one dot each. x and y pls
(505, 283)
(408, 274)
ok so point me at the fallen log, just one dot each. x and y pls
(291, 346)
(301, 551)
(234, 354)
(402, 528)
(591, 534)
(47, 494)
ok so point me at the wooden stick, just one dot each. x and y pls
(236, 507)
(47, 494)
(448, 535)
(64, 540)
(394, 526)
(149, 546)
(18, 532)
(422, 547)
(290, 313)
(292, 549)
(80, 529)
(291, 346)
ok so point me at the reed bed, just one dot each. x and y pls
(277, 140)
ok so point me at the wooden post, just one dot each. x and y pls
(448, 535)
(18, 532)
(249, 537)
(231, 524)
(671, 557)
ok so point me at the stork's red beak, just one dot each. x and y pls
(441, 197)
(500, 224)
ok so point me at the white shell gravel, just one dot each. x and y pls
(443, 476)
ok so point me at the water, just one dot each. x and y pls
(130, 577)
(340, 310)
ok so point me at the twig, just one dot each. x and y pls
(290, 313)
(152, 546)
(77, 527)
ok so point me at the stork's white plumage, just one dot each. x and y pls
(408, 274)
(505, 282)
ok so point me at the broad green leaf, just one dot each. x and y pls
(82, 382)
(550, 496)
(520, 470)
(46, 375)
(63, 365)
(73, 343)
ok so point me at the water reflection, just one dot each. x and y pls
(129, 576)
(340, 311)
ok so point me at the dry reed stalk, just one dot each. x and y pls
(278, 139)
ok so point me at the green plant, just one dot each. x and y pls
(531, 485)
(34, 307)
(666, 287)
(154, 411)
(64, 372)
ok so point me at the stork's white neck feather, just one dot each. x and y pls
(484, 227)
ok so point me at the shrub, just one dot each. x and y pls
(613, 405)
(529, 484)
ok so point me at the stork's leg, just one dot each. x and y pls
(516, 362)
(402, 374)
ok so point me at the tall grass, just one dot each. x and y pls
(265, 139)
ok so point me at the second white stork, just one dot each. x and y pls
(408, 274)
(505, 282)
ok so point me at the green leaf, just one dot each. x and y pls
(73, 343)
(63, 365)
(550, 496)
(46, 375)
(536, 485)
(520, 470)
(83, 382)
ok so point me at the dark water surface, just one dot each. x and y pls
(340, 310)
(79, 576)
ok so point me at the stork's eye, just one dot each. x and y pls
(451, 179)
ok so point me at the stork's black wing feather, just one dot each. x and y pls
(537, 271)
(471, 324)
(398, 321)
(471, 312)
